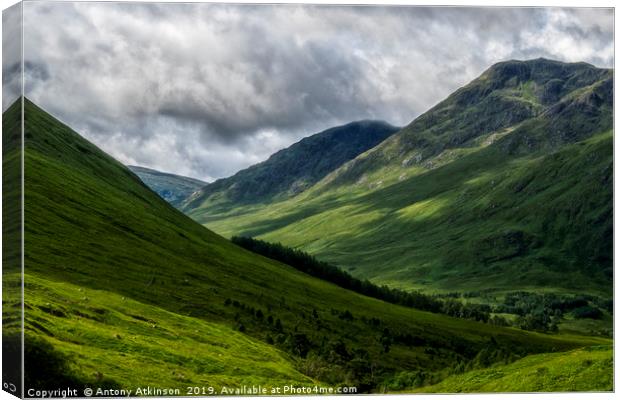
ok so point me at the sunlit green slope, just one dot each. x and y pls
(578, 370)
(100, 337)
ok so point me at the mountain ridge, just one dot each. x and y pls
(500, 110)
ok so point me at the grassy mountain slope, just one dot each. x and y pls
(11, 246)
(505, 185)
(292, 170)
(173, 188)
(119, 282)
(99, 336)
(578, 370)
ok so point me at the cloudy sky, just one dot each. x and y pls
(205, 90)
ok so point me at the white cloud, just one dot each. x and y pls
(11, 55)
(207, 89)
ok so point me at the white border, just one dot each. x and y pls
(482, 3)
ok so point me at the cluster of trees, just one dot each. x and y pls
(492, 354)
(539, 320)
(334, 362)
(534, 311)
(522, 303)
(543, 311)
(294, 342)
(320, 355)
(410, 380)
(588, 312)
(255, 313)
(458, 309)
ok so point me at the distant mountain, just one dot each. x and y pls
(292, 170)
(122, 290)
(172, 188)
(504, 185)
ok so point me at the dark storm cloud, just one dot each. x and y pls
(205, 90)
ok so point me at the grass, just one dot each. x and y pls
(579, 370)
(107, 336)
(105, 256)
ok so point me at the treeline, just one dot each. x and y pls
(308, 264)
(543, 311)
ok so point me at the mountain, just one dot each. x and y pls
(505, 185)
(172, 188)
(292, 170)
(124, 291)
(503, 98)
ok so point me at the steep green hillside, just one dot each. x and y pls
(505, 185)
(579, 370)
(172, 188)
(11, 246)
(120, 284)
(292, 170)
